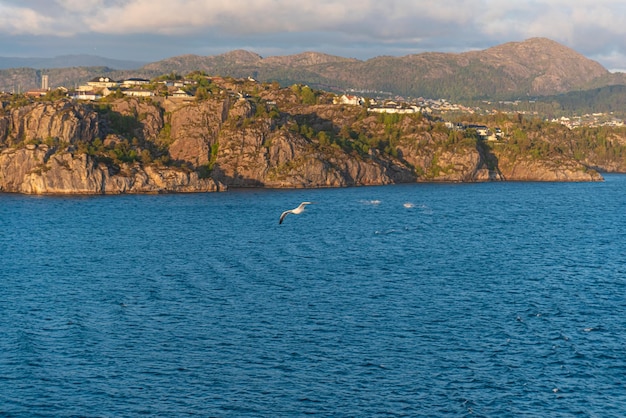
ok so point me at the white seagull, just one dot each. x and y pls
(295, 211)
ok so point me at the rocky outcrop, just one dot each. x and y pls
(148, 118)
(528, 169)
(63, 120)
(293, 161)
(194, 129)
(168, 146)
(42, 170)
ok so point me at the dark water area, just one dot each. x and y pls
(497, 299)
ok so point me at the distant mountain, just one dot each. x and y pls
(18, 80)
(533, 68)
(66, 61)
(608, 99)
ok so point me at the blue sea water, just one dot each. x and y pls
(490, 300)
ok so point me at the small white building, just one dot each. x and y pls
(138, 93)
(349, 99)
(135, 82)
(180, 93)
(400, 110)
(85, 95)
(102, 82)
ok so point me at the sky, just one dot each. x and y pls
(151, 30)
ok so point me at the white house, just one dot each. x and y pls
(102, 82)
(180, 93)
(349, 99)
(85, 95)
(481, 130)
(138, 93)
(401, 110)
(135, 82)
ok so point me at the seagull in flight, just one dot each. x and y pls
(295, 211)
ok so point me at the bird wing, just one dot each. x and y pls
(282, 216)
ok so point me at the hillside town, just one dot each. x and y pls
(442, 107)
(134, 136)
(182, 88)
(594, 119)
(100, 87)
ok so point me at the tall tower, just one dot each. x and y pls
(44, 82)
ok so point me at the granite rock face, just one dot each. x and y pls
(41, 170)
(165, 145)
(59, 119)
(527, 169)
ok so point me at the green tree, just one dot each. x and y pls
(308, 96)
(201, 93)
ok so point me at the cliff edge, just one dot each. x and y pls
(242, 134)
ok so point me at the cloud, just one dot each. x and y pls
(15, 20)
(234, 17)
(592, 27)
(389, 20)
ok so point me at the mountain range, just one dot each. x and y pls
(533, 68)
(64, 61)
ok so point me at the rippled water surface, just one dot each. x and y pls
(418, 300)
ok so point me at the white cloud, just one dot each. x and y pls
(19, 20)
(558, 19)
(594, 27)
(234, 16)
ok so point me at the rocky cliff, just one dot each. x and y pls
(43, 153)
(39, 169)
(268, 138)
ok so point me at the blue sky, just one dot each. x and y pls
(150, 30)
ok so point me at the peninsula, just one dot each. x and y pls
(201, 133)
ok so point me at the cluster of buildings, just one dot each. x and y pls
(103, 86)
(99, 87)
(483, 131)
(592, 120)
(442, 106)
(419, 105)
